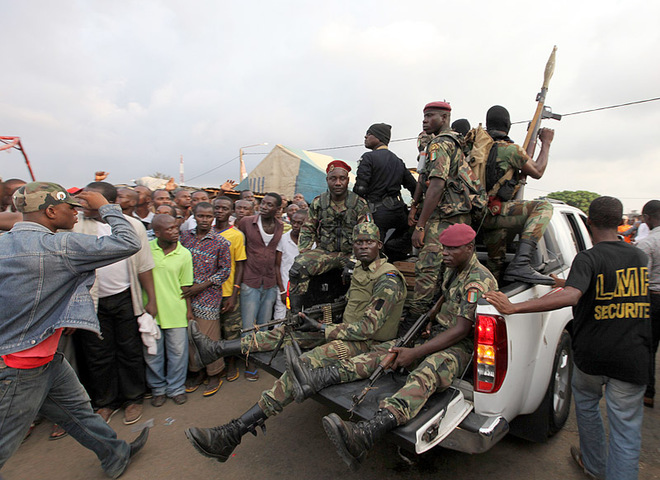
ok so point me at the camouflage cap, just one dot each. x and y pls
(36, 196)
(366, 228)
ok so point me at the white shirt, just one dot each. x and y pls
(111, 279)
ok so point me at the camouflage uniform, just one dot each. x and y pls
(529, 218)
(437, 371)
(330, 226)
(375, 303)
(442, 155)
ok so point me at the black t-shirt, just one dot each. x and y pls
(612, 330)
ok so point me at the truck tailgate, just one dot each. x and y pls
(439, 417)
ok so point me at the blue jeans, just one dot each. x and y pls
(55, 391)
(173, 347)
(257, 305)
(624, 413)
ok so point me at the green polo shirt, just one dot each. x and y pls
(171, 272)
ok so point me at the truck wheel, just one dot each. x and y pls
(559, 391)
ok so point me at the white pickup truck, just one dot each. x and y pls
(519, 379)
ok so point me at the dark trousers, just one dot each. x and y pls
(396, 218)
(115, 365)
(655, 325)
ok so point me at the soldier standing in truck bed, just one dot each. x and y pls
(380, 175)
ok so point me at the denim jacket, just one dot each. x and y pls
(45, 278)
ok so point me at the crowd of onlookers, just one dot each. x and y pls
(197, 262)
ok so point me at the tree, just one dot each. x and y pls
(160, 175)
(580, 198)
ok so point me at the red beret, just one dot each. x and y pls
(337, 164)
(457, 235)
(439, 105)
(74, 190)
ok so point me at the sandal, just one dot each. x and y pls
(57, 432)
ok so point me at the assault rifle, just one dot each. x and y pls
(404, 341)
(542, 111)
(323, 312)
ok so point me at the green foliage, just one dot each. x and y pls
(580, 198)
(161, 175)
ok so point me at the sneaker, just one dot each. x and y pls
(252, 376)
(158, 400)
(107, 413)
(132, 413)
(180, 399)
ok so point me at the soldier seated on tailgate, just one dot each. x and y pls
(433, 364)
(329, 225)
(375, 302)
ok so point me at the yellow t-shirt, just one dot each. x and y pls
(237, 250)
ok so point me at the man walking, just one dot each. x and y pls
(57, 269)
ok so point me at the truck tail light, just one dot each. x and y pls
(490, 353)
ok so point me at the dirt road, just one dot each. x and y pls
(295, 447)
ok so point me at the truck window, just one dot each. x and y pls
(576, 233)
(553, 257)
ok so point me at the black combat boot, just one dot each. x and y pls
(353, 440)
(306, 381)
(207, 351)
(520, 270)
(220, 442)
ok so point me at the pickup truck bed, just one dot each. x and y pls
(340, 398)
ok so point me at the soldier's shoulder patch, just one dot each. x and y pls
(476, 285)
(472, 295)
(474, 291)
(391, 274)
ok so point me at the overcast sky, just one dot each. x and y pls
(130, 86)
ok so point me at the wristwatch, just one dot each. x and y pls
(419, 229)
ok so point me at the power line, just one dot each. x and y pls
(579, 112)
(214, 168)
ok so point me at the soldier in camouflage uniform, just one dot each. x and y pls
(443, 154)
(332, 216)
(433, 364)
(375, 303)
(507, 163)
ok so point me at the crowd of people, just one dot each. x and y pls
(178, 281)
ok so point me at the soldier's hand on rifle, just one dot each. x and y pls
(405, 357)
(546, 135)
(308, 324)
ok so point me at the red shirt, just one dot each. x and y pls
(36, 356)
